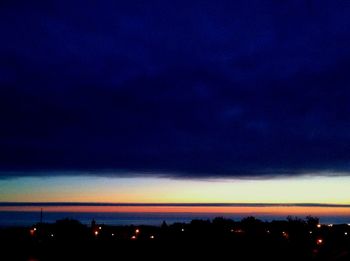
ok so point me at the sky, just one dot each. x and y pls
(182, 101)
(321, 190)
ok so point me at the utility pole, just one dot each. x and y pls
(41, 216)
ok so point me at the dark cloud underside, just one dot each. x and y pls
(190, 88)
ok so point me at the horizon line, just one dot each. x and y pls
(109, 204)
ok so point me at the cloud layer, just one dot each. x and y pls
(186, 89)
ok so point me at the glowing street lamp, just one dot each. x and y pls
(133, 237)
(285, 235)
(151, 237)
(319, 241)
(319, 225)
(96, 233)
(137, 231)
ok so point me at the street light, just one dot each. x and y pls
(285, 235)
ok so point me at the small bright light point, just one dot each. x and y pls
(51, 235)
(310, 232)
(99, 228)
(96, 233)
(182, 230)
(330, 225)
(319, 241)
(34, 229)
(137, 231)
(133, 237)
(268, 231)
(285, 234)
(345, 233)
(112, 235)
(151, 237)
(232, 230)
(319, 225)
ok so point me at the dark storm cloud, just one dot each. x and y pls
(186, 89)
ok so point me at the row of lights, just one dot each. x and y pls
(284, 234)
(137, 231)
(32, 232)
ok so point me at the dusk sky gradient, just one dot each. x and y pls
(175, 101)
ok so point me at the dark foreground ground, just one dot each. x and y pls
(220, 239)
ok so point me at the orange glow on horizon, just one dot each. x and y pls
(310, 189)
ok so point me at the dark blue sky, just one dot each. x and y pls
(182, 88)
